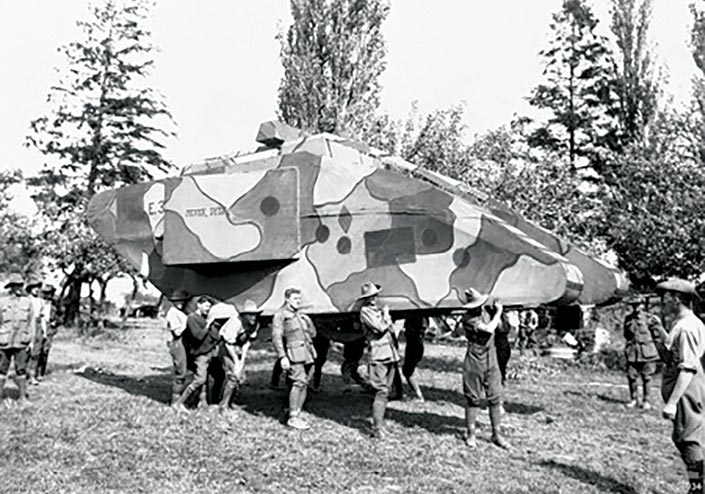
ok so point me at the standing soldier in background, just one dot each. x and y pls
(377, 326)
(176, 324)
(292, 335)
(481, 373)
(16, 333)
(414, 330)
(39, 331)
(50, 326)
(683, 381)
(640, 350)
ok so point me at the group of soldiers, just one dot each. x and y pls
(217, 333)
(203, 333)
(27, 329)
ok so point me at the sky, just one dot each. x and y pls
(218, 66)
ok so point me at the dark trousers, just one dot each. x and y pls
(21, 360)
(504, 353)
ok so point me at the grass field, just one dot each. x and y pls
(100, 423)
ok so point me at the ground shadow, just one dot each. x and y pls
(156, 386)
(602, 482)
(600, 396)
(257, 398)
(441, 364)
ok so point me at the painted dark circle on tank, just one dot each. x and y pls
(322, 233)
(429, 237)
(269, 206)
(344, 245)
(428, 213)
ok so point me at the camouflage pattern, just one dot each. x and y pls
(325, 214)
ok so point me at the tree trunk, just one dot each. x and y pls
(71, 304)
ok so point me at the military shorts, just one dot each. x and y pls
(21, 359)
(481, 377)
(300, 374)
(643, 369)
(381, 376)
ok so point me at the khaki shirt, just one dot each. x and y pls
(17, 319)
(378, 329)
(292, 335)
(176, 321)
(685, 345)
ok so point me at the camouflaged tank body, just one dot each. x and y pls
(602, 283)
(323, 214)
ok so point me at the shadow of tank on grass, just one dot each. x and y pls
(603, 483)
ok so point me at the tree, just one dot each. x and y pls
(104, 129)
(19, 246)
(656, 207)
(333, 55)
(696, 114)
(577, 91)
(637, 83)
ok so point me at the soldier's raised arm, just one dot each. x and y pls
(374, 321)
(658, 333)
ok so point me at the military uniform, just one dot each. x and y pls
(640, 351)
(39, 332)
(201, 342)
(684, 350)
(17, 318)
(176, 324)
(481, 374)
(383, 359)
(236, 338)
(50, 328)
(292, 336)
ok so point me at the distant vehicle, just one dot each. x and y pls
(326, 214)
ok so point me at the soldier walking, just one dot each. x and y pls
(292, 336)
(16, 333)
(683, 381)
(481, 374)
(201, 342)
(378, 327)
(640, 350)
(237, 334)
(32, 288)
(176, 319)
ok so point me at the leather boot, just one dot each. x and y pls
(229, 390)
(22, 386)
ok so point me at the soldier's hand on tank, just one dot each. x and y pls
(669, 411)
(498, 305)
(286, 365)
